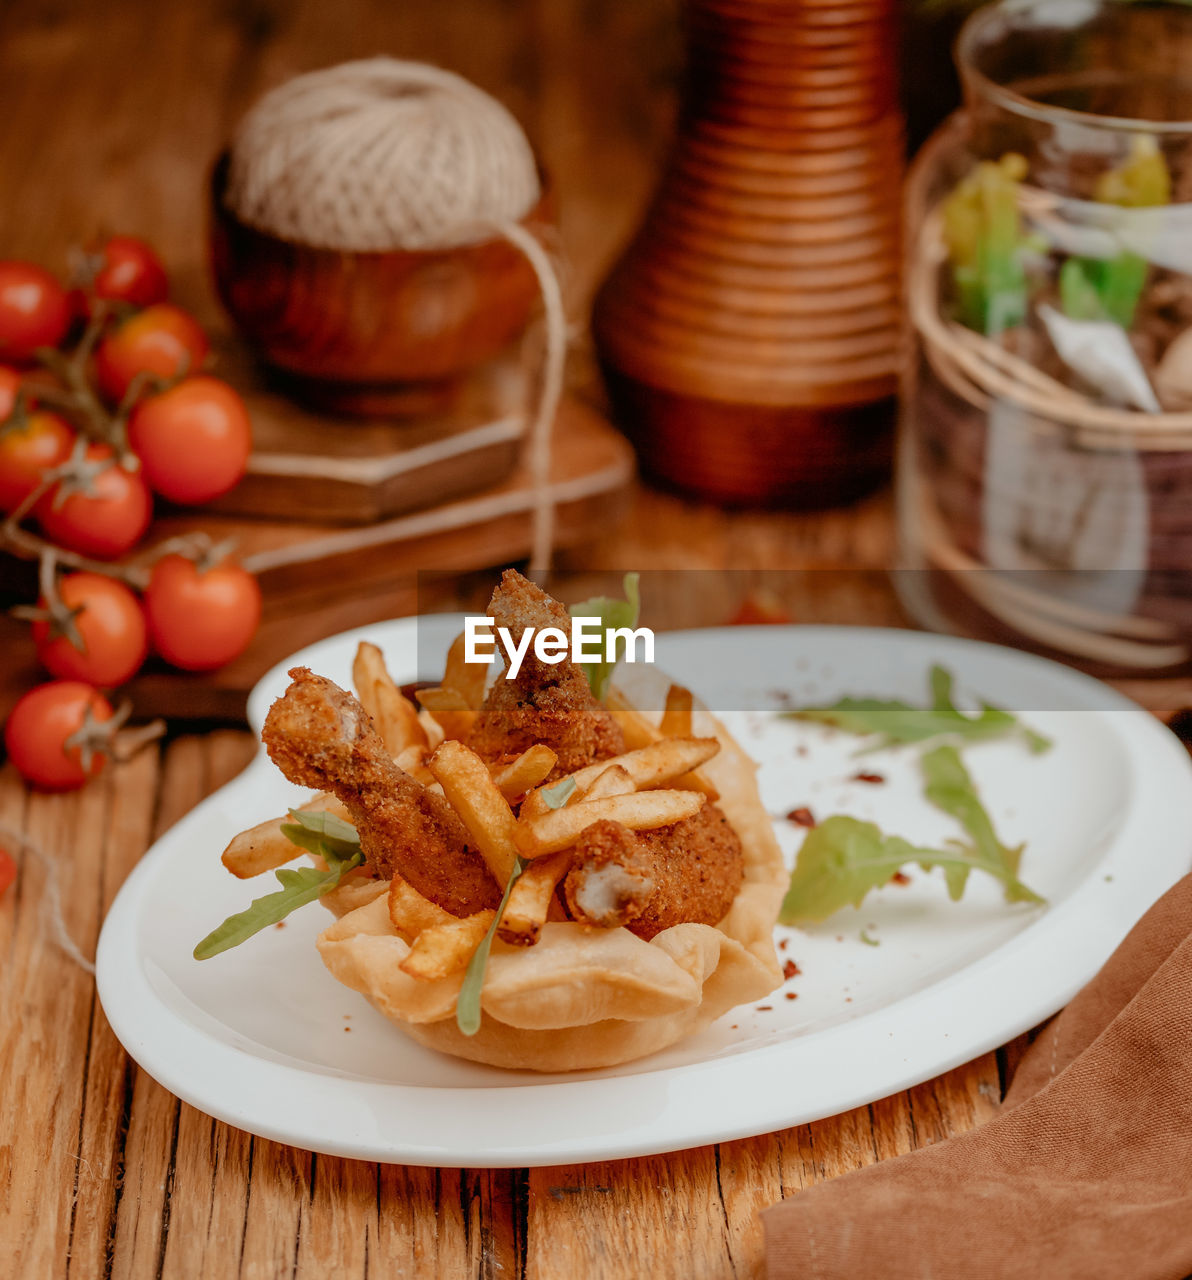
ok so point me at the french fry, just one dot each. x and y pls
(612, 781)
(677, 714)
(466, 678)
(640, 811)
(264, 847)
(451, 713)
(665, 760)
(409, 912)
(413, 761)
(395, 716)
(638, 731)
(431, 727)
(444, 949)
(472, 793)
(530, 899)
(526, 772)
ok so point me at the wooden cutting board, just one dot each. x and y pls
(310, 467)
(320, 578)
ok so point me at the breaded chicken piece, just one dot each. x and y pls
(609, 882)
(689, 872)
(319, 736)
(545, 703)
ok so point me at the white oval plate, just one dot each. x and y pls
(264, 1038)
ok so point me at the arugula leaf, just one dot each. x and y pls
(334, 840)
(949, 787)
(898, 723)
(612, 613)
(843, 858)
(319, 831)
(326, 824)
(557, 796)
(467, 1004)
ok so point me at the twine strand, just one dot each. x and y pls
(51, 903)
(538, 440)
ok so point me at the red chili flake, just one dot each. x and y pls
(874, 779)
(801, 817)
(791, 970)
(765, 1008)
(792, 995)
(281, 924)
(900, 877)
(782, 946)
(347, 1028)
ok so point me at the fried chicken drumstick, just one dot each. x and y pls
(320, 736)
(545, 703)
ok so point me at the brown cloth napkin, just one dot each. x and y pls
(1086, 1172)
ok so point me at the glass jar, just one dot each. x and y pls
(1045, 451)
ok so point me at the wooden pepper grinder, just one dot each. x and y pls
(749, 333)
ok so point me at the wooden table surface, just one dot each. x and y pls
(111, 113)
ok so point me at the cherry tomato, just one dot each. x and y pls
(39, 727)
(111, 624)
(129, 271)
(10, 384)
(200, 618)
(106, 518)
(193, 440)
(34, 311)
(760, 608)
(162, 340)
(28, 448)
(8, 871)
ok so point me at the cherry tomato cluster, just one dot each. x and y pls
(154, 423)
(103, 405)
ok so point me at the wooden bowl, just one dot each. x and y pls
(371, 333)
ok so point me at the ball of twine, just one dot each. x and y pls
(380, 154)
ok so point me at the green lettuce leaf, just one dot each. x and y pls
(896, 723)
(319, 831)
(843, 859)
(557, 796)
(467, 1005)
(612, 613)
(334, 840)
(949, 787)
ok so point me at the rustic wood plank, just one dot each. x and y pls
(278, 1190)
(609, 1219)
(591, 1219)
(150, 1149)
(109, 1073)
(45, 1012)
(212, 1160)
(422, 1222)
